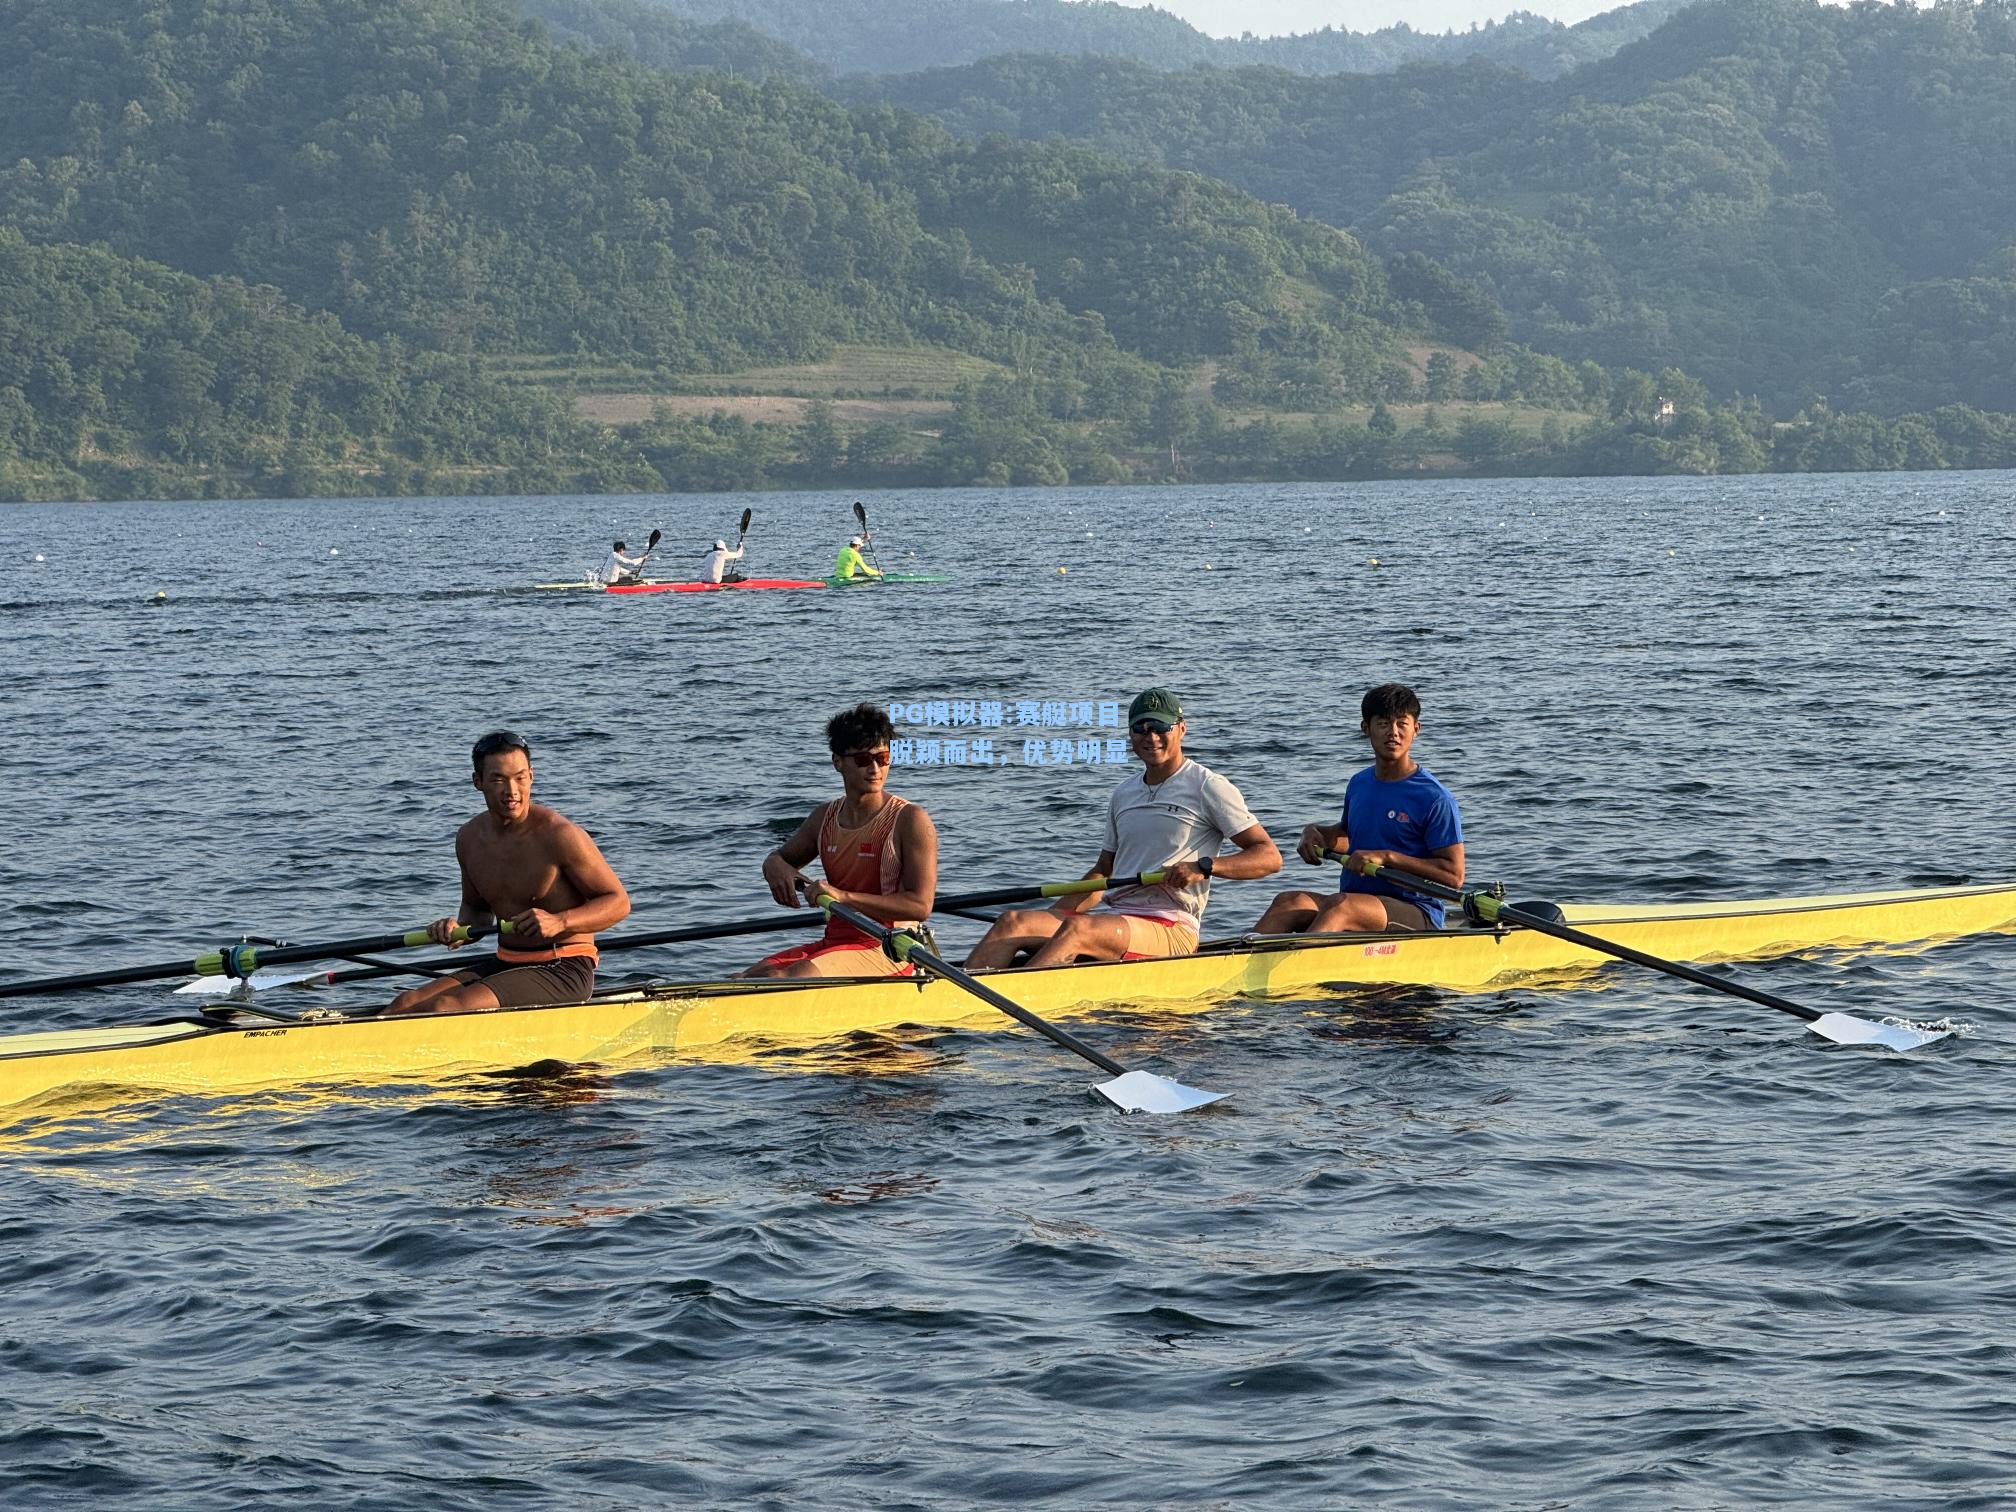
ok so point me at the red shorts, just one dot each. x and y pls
(842, 958)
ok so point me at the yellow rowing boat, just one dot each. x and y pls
(234, 1048)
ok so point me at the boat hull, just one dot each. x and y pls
(659, 585)
(736, 1021)
(745, 583)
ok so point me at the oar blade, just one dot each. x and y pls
(262, 979)
(1145, 1092)
(1846, 1029)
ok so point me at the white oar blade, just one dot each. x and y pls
(1142, 1092)
(1846, 1029)
(259, 981)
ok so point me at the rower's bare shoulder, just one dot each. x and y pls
(914, 825)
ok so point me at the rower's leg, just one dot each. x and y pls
(1289, 913)
(1097, 937)
(1365, 913)
(449, 994)
(1017, 930)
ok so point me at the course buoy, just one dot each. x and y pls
(1207, 566)
(159, 598)
(39, 557)
(1060, 571)
(1372, 561)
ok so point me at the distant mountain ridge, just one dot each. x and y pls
(1785, 198)
(903, 36)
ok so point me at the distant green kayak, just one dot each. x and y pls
(889, 577)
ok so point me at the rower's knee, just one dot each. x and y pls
(1290, 911)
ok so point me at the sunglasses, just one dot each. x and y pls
(869, 758)
(1149, 727)
(497, 742)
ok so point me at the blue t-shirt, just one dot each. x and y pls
(1414, 816)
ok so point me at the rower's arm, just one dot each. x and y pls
(918, 838)
(473, 911)
(604, 900)
(1079, 902)
(1256, 857)
(1319, 839)
(783, 868)
(1444, 865)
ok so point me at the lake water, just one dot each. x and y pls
(1626, 1243)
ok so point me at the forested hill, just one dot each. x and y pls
(656, 36)
(900, 36)
(440, 171)
(1785, 198)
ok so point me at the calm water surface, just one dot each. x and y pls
(1622, 1243)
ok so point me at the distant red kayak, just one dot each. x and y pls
(716, 587)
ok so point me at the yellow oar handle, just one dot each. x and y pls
(1096, 884)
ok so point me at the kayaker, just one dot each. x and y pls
(526, 864)
(850, 563)
(715, 568)
(621, 568)
(1395, 813)
(879, 854)
(1173, 816)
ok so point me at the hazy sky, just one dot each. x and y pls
(1228, 18)
(1269, 18)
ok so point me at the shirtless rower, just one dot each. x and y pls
(879, 853)
(526, 865)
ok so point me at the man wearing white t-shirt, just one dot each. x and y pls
(715, 568)
(1173, 816)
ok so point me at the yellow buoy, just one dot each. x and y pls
(1372, 561)
(1060, 571)
(159, 597)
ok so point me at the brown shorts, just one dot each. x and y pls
(522, 984)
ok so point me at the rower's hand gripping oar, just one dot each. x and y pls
(1130, 1091)
(1842, 1028)
(232, 961)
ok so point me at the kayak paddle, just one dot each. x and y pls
(1130, 1091)
(867, 536)
(1842, 1028)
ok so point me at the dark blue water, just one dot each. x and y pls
(1620, 1244)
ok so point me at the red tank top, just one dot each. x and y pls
(868, 859)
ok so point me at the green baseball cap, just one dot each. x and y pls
(1158, 706)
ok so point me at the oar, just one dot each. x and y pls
(230, 960)
(650, 545)
(1130, 1091)
(439, 965)
(1842, 1028)
(867, 536)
